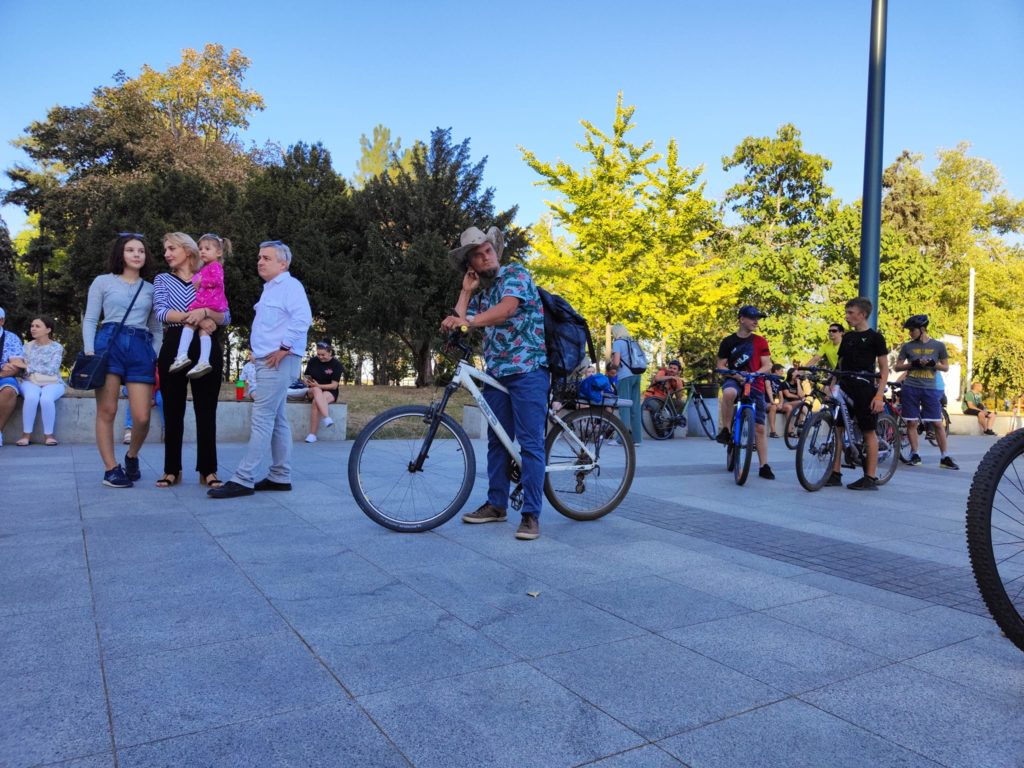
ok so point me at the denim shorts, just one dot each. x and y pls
(921, 404)
(10, 381)
(131, 356)
(755, 394)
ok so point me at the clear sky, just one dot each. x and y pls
(525, 73)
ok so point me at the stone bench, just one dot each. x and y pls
(76, 421)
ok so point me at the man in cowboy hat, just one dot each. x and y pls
(503, 301)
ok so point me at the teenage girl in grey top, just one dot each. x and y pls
(131, 356)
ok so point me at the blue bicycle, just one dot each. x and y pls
(744, 430)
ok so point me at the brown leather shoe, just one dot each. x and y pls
(487, 513)
(529, 529)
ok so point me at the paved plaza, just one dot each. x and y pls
(700, 624)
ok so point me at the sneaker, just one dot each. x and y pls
(835, 480)
(948, 463)
(199, 371)
(487, 513)
(990, 432)
(310, 438)
(131, 468)
(914, 460)
(724, 437)
(766, 472)
(179, 364)
(864, 484)
(127, 439)
(529, 529)
(116, 478)
(327, 422)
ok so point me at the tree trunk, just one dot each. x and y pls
(424, 364)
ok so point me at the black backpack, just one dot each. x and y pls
(566, 335)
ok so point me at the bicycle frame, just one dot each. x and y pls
(467, 376)
(743, 403)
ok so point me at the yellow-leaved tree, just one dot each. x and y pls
(624, 241)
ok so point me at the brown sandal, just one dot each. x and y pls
(168, 480)
(211, 480)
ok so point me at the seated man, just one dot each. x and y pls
(12, 365)
(668, 382)
(972, 405)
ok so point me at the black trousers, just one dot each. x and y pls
(174, 388)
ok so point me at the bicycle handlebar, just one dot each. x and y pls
(747, 375)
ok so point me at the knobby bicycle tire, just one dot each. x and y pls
(745, 447)
(707, 422)
(793, 424)
(592, 493)
(656, 417)
(888, 456)
(392, 495)
(995, 533)
(815, 451)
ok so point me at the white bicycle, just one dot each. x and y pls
(412, 468)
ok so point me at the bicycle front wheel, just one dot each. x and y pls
(391, 490)
(816, 450)
(995, 533)
(657, 418)
(888, 448)
(707, 423)
(794, 423)
(586, 486)
(745, 447)
(905, 450)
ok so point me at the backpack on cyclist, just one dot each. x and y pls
(637, 361)
(566, 335)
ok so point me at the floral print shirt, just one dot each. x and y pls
(517, 345)
(44, 358)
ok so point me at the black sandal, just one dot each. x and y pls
(168, 480)
(211, 480)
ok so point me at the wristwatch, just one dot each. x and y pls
(283, 348)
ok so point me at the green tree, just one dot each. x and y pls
(624, 240)
(380, 154)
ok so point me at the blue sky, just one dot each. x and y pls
(707, 74)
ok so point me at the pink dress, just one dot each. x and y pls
(209, 285)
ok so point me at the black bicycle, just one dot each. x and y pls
(660, 416)
(819, 439)
(995, 533)
(798, 416)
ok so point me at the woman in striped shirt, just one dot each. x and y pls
(174, 292)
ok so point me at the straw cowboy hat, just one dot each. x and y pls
(472, 238)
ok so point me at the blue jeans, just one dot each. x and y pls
(271, 431)
(629, 389)
(522, 414)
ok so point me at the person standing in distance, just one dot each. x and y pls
(278, 340)
(923, 357)
(504, 302)
(746, 351)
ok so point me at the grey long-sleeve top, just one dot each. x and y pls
(109, 297)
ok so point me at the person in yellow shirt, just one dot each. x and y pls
(829, 351)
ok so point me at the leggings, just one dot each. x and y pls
(45, 397)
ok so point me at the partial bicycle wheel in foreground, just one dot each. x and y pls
(995, 533)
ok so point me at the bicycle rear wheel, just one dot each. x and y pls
(582, 487)
(905, 451)
(707, 422)
(816, 450)
(745, 447)
(381, 475)
(888, 448)
(657, 418)
(995, 533)
(794, 422)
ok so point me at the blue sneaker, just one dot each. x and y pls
(116, 478)
(131, 468)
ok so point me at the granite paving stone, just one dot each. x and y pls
(507, 716)
(670, 688)
(987, 663)
(745, 586)
(650, 756)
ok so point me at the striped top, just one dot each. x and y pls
(172, 294)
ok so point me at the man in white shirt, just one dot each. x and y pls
(278, 340)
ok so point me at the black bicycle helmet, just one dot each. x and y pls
(916, 321)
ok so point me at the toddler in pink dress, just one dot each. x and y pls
(209, 287)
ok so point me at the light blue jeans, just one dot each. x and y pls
(270, 428)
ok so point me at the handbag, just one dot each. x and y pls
(90, 371)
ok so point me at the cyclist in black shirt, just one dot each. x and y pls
(861, 350)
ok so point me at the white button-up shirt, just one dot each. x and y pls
(282, 317)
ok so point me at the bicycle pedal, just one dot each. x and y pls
(517, 498)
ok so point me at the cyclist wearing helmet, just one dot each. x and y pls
(923, 358)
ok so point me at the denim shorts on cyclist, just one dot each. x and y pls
(756, 395)
(920, 404)
(131, 356)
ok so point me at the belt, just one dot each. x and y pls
(130, 330)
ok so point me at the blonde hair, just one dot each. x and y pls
(222, 242)
(619, 331)
(185, 241)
